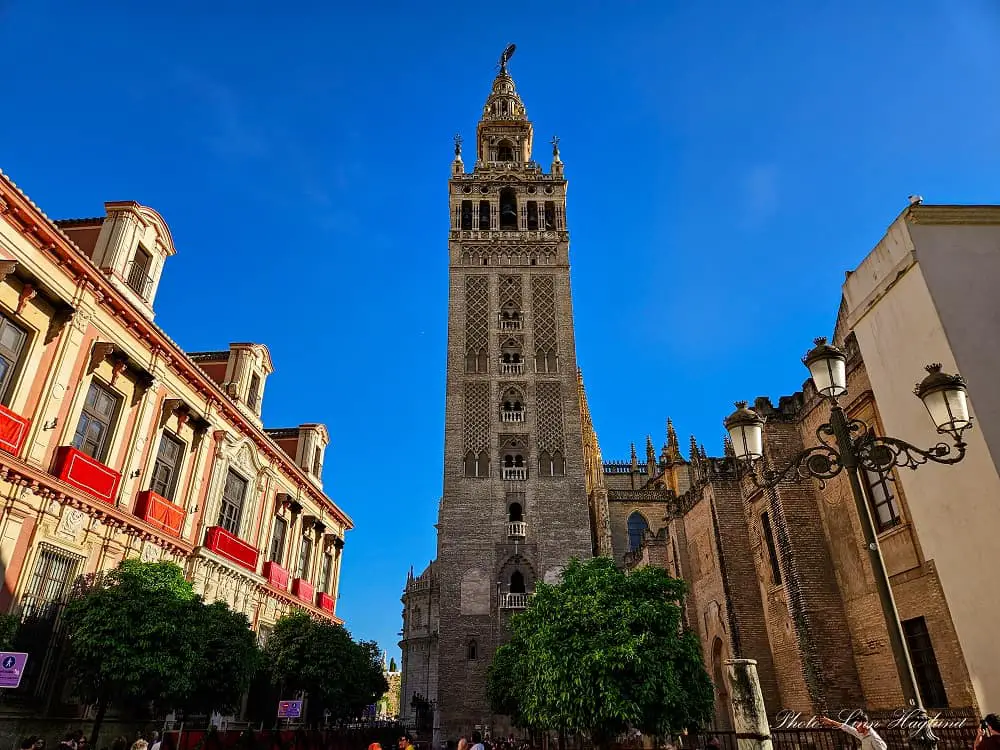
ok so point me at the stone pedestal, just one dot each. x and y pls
(749, 713)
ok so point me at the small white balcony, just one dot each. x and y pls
(512, 415)
(514, 601)
(517, 529)
(510, 324)
(511, 368)
(514, 473)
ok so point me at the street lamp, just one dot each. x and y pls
(850, 445)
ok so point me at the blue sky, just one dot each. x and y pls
(728, 162)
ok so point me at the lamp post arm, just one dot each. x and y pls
(879, 454)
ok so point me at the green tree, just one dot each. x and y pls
(224, 657)
(126, 635)
(320, 658)
(9, 625)
(601, 652)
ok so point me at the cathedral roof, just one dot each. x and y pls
(504, 103)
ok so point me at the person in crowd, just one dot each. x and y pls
(404, 743)
(463, 743)
(477, 741)
(154, 741)
(375, 746)
(140, 744)
(862, 729)
(120, 743)
(988, 736)
(28, 743)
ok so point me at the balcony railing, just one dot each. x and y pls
(88, 474)
(228, 545)
(510, 324)
(512, 415)
(13, 430)
(303, 589)
(514, 473)
(276, 575)
(514, 601)
(517, 529)
(160, 512)
(511, 368)
(324, 601)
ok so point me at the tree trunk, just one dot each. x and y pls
(102, 709)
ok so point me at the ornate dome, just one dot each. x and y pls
(503, 102)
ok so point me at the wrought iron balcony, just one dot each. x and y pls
(512, 415)
(137, 278)
(514, 601)
(517, 529)
(514, 473)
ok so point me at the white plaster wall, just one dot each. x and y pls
(955, 509)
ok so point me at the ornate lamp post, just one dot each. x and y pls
(850, 446)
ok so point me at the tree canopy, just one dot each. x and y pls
(139, 633)
(338, 674)
(602, 652)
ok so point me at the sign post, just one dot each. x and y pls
(11, 668)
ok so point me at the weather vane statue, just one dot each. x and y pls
(507, 54)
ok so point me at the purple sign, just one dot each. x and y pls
(289, 709)
(11, 668)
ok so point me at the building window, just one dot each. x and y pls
(233, 496)
(253, 397)
(551, 464)
(326, 571)
(472, 651)
(305, 556)
(277, 553)
(466, 215)
(505, 151)
(477, 466)
(167, 468)
(532, 215)
(772, 553)
(883, 502)
(550, 215)
(94, 428)
(484, 215)
(925, 666)
(317, 462)
(517, 582)
(138, 278)
(637, 528)
(50, 582)
(12, 340)
(476, 361)
(515, 514)
(508, 209)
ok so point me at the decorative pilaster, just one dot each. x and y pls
(749, 714)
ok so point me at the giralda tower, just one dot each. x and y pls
(514, 508)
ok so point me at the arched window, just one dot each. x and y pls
(514, 513)
(517, 582)
(558, 464)
(637, 527)
(505, 151)
(483, 465)
(471, 651)
(508, 209)
(476, 360)
(484, 214)
(470, 464)
(545, 464)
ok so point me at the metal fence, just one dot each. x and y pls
(821, 738)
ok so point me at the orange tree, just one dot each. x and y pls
(602, 652)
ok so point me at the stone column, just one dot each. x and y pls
(749, 713)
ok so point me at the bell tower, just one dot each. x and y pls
(514, 508)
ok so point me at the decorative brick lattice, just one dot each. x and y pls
(543, 309)
(477, 311)
(477, 417)
(550, 417)
(510, 292)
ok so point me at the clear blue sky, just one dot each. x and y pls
(727, 163)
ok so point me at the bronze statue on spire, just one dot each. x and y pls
(507, 54)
